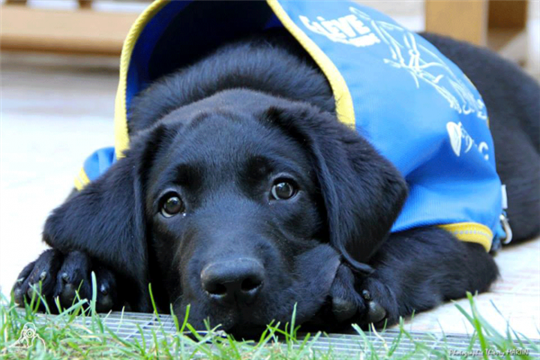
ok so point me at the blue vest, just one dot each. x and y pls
(396, 89)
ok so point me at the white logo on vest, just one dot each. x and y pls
(425, 66)
(458, 134)
(346, 29)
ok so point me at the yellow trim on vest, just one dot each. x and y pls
(344, 103)
(81, 180)
(121, 139)
(78, 184)
(471, 232)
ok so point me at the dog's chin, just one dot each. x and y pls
(307, 293)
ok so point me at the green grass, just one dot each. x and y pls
(79, 332)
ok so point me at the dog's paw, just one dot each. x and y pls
(382, 308)
(364, 303)
(55, 275)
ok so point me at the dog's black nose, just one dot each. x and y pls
(234, 281)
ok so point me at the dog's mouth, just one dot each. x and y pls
(239, 325)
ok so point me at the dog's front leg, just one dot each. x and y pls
(415, 270)
(65, 277)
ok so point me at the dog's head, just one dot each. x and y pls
(240, 205)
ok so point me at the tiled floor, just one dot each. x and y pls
(514, 300)
(55, 112)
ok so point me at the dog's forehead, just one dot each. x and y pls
(225, 137)
(222, 144)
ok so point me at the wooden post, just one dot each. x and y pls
(85, 4)
(462, 20)
(508, 14)
(507, 24)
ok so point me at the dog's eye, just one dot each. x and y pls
(172, 205)
(283, 190)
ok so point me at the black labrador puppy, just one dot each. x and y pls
(245, 198)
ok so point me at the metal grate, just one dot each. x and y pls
(134, 326)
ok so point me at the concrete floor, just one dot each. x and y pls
(54, 114)
(55, 111)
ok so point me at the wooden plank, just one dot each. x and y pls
(462, 20)
(78, 31)
(507, 14)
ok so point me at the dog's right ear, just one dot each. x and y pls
(362, 191)
(106, 219)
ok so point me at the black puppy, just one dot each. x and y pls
(243, 195)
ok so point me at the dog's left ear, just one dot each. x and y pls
(363, 192)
